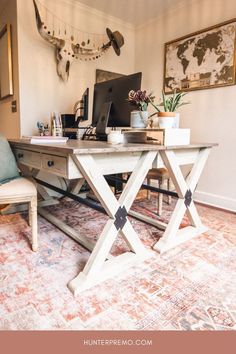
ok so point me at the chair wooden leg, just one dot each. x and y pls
(160, 199)
(168, 187)
(33, 222)
(148, 192)
(29, 216)
(124, 176)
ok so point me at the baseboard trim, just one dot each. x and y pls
(215, 207)
(215, 200)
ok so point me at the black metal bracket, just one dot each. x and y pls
(188, 198)
(120, 218)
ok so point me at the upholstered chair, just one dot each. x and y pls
(17, 189)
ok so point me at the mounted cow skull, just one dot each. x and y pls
(67, 51)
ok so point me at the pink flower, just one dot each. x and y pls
(140, 99)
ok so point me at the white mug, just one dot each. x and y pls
(115, 137)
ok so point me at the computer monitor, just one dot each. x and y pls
(81, 107)
(68, 121)
(85, 99)
(111, 96)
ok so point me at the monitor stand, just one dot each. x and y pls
(102, 121)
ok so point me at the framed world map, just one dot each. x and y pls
(205, 59)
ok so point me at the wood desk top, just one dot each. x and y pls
(97, 147)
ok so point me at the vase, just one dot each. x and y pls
(139, 119)
(176, 122)
(166, 119)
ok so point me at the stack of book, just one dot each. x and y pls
(46, 139)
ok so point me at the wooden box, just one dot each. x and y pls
(167, 137)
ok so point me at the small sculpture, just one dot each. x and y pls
(43, 129)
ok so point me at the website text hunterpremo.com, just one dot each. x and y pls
(117, 342)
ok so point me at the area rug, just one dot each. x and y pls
(191, 287)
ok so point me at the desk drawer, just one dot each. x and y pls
(55, 164)
(29, 158)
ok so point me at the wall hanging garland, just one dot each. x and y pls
(71, 43)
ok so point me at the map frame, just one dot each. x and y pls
(204, 83)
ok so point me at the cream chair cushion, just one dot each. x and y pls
(158, 173)
(17, 188)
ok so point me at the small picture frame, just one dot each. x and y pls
(201, 60)
(6, 74)
(103, 75)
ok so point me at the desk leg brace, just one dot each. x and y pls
(98, 267)
(174, 236)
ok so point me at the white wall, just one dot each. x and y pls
(212, 113)
(10, 122)
(41, 90)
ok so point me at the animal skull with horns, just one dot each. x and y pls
(66, 51)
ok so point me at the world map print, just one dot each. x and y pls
(203, 60)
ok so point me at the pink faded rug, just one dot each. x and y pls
(192, 287)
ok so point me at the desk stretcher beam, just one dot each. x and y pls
(77, 198)
(145, 186)
(83, 240)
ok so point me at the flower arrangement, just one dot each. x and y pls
(140, 99)
(166, 108)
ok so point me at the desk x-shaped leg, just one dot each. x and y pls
(185, 189)
(98, 266)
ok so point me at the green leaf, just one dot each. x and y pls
(155, 106)
(165, 101)
(173, 99)
(182, 104)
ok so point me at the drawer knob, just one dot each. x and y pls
(50, 163)
(20, 156)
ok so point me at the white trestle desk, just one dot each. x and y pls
(91, 161)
